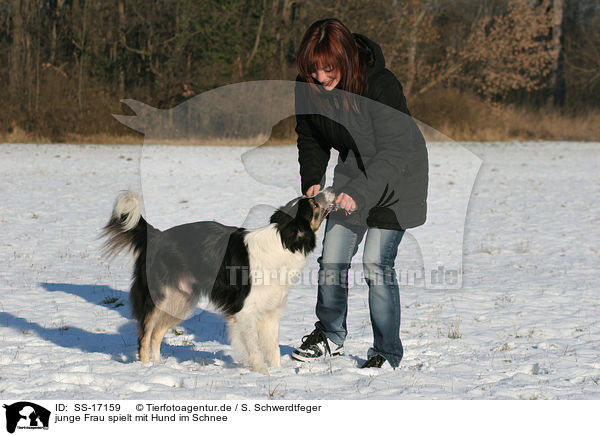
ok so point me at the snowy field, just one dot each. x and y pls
(525, 324)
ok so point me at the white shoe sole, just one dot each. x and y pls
(301, 358)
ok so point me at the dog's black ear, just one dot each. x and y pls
(293, 223)
(297, 236)
(299, 209)
(280, 217)
(305, 210)
(286, 213)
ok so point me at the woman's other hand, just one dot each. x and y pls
(313, 190)
(344, 201)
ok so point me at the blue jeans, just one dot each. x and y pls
(381, 246)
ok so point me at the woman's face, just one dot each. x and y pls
(327, 77)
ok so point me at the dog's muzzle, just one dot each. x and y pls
(326, 200)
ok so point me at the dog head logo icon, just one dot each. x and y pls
(26, 415)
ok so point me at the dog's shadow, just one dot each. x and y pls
(122, 346)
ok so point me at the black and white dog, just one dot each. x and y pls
(243, 275)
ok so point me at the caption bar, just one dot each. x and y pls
(169, 412)
(71, 417)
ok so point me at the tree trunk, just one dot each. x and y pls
(412, 50)
(122, 38)
(261, 23)
(53, 33)
(557, 46)
(82, 48)
(17, 50)
(284, 42)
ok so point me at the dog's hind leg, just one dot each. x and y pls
(145, 335)
(163, 323)
(176, 305)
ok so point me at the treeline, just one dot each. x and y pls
(65, 64)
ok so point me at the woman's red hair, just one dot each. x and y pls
(328, 43)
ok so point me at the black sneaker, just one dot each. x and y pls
(376, 361)
(316, 345)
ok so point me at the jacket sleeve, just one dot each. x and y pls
(398, 143)
(313, 155)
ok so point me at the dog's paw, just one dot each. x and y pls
(275, 365)
(275, 362)
(262, 369)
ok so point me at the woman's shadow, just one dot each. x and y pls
(122, 346)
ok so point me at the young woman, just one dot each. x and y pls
(347, 100)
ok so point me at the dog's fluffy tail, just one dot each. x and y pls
(126, 229)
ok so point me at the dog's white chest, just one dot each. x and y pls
(273, 269)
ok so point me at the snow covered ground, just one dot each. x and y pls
(525, 324)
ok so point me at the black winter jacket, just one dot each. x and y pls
(382, 160)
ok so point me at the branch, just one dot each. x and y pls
(258, 33)
(439, 79)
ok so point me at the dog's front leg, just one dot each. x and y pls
(249, 334)
(238, 346)
(268, 333)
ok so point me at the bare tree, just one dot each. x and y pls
(17, 49)
(557, 49)
(509, 51)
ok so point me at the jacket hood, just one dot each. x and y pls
(375, 60)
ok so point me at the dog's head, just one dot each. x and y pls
(298, 220)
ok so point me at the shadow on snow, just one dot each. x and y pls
(122, 346)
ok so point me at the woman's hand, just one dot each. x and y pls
(313, 190)
(344, 201)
